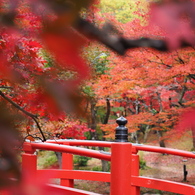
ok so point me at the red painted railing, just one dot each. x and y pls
(124, 176)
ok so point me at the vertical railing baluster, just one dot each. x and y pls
(67, 163)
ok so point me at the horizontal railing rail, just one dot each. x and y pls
(74, 142)
(72, 150)
(162, 150)
(135, 147)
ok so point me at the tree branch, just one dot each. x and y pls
(6, 87)
(118, 43)
(161, 63)
(183, 91)
(17, 106)
(39, 127)
(192, 76)
(159, 101)
(131, 111)
(33, 116)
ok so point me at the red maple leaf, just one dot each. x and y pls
(66, 48)
(177, 20)
(186, 120)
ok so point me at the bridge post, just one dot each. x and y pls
(29, 161)
(124, 163)
(67, 163)
(121, 168)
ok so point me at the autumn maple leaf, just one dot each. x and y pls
(186, 120)
(177, 20)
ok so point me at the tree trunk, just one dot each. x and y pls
(107, 111)
(59, 157)
(92, 122)
(161, 141)
(159, 101)
(146, 133)
(193, 137)
(105, 166)
(183, 91)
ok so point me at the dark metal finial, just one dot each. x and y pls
(121, 131)
(121, 121)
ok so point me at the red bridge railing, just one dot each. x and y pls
(124, 176)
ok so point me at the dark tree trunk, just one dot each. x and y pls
(92, 122)
(159, 101)
(193, 137)
(161, 141)
(105, 166)
(59, 157)
(107, 111)
(183, 91)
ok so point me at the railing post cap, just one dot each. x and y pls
(121, 132)
(121, 121)
(27, 148)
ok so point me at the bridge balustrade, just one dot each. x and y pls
(124, 176)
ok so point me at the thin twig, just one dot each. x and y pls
(161, 63)
(39, 127)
